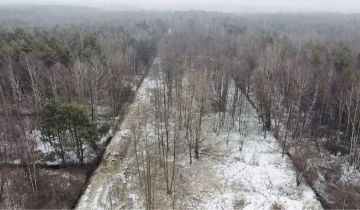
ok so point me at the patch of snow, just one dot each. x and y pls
(41, 146)
(350, 176)
(106, 136)
(103, 110)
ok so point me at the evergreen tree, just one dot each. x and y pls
(67, 127)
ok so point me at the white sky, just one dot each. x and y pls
(352, 6)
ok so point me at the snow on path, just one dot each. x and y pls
(223, 178)
(108, 186)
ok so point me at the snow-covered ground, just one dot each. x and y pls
(257, 177)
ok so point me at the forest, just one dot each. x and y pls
(152, 99)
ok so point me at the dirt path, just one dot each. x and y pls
(109, 183)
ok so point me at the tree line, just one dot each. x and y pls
(56, 81)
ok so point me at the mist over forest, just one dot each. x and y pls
(236, 6)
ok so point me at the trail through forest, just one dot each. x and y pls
(241, 172)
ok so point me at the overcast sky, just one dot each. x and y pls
(349, 6)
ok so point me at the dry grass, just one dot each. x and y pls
(277, 206)
(56, 188)
(240, 204)
(323, 173)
